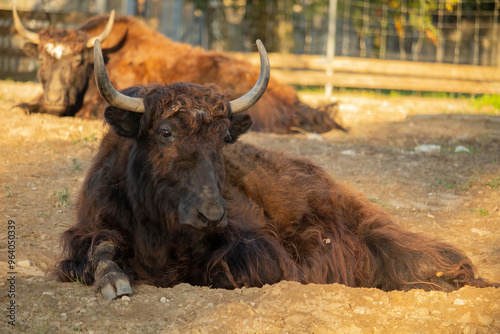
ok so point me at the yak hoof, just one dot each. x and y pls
(108, 292)
(121, 288)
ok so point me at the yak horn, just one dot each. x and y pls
(105, 33)
(250, 98)
(106, 89)
(33, 37)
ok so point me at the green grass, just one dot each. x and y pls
(381, 92)
(64, 196)
(483, 212)
(478, 101)
(76, 165)
(487, 100)
(495, 183)
(443, 183)
(9, 193)
(81, 140)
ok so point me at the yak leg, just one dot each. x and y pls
(110, 280)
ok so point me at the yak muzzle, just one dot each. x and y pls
(207, 211)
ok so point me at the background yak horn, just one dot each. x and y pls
(106, 89)
(250, 98)
(105, 33)
(33, 37)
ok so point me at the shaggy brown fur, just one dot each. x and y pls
(287, 219)
(138, 55)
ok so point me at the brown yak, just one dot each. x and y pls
(172, 197)
(137, 55)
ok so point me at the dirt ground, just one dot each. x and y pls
(451, 195)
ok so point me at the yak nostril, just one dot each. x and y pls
(214, 216)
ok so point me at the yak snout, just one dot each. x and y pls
(54, 99)
(212, 210)
(203, 207)
(204, 211)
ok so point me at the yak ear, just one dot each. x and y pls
(31, 50)
(125, 123)
(240, 123)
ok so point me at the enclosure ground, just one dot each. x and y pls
(453, 196)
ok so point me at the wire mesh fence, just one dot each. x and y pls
(467, 33)
(438, 31)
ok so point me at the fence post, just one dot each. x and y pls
(330, 45)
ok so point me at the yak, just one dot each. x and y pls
(137, 55)
(172, 196)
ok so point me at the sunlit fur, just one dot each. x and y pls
(138, 55)
(287, 218)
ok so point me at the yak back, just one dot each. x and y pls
(139, 55)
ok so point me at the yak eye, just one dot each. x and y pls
(165, 134)
(228, 138)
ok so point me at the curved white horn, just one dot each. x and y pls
(105, 33)
(106, 89)
(33, 37)
(250, 98)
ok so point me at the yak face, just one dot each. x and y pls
(176, 163)
(66, 63)
(65, 70)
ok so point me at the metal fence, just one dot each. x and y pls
(465, 33)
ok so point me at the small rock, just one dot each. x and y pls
(348, 107)
(465, 317)
(428, 148)
(422, 312)
(459, 301)
(64, 316)
(359, 310)
(59, 211)
(435, 313)
(469, 330)
(48, 293)
(348, 152)
(481, 233)
(430, 216)
(293, 320)
(315, 136)
(126, 298)
(461, 148)
(484, 319)
(24, 263)
(163, 300)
